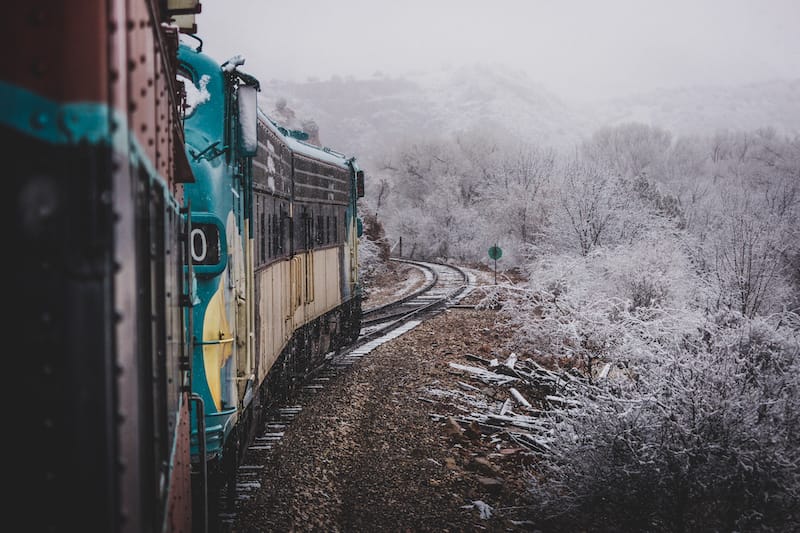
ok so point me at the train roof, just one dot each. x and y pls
(298, 146)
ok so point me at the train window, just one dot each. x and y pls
(275, 235)
(196, 94)
(360, 183)
(284, 229)
(263, 235)
(328, 237)
(320, 230)
(308, 227)
(269, 235)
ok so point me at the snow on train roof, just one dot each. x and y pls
(300, 147)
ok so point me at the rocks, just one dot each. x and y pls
(364, 454)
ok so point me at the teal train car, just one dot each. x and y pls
(97, 419)
(274, 252)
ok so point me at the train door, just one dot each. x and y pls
(242, 262)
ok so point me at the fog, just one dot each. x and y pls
(579, 49)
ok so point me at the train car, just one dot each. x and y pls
(97, 416)
(274, 247)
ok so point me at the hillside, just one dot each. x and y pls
(704, 110)
(367, 117)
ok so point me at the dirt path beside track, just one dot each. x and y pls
(366, 454)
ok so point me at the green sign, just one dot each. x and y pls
(495, 253)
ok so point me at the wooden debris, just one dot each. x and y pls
(467, 386)
(519, 397)
(532, 431)
(563, 401)
(532, 443)
(510, 451)
(524, 422)
(483, 374)
(506, 371)
(511, 361)
(477, 358)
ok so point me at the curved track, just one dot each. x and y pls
(444, 284)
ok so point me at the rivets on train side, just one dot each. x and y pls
(39, 120)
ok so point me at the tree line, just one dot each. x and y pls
(675, 262)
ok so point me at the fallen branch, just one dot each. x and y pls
(519, 397)
(484, 375)
(477, 358)
(506, 406)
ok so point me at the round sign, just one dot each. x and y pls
(495, 253)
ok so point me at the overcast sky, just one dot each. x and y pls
(580, 49)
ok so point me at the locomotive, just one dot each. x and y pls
(178, 262)
(274, 251)
(96, 234)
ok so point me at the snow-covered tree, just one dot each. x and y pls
(628, 149)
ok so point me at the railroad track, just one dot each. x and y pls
(444, 285)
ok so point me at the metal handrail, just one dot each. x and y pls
(201, 444)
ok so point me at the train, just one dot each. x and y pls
(178, 263)
(96, 231)
(274, 248)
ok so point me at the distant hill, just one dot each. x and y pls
(367, 117)
(703, 110)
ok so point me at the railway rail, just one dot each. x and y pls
(445, 285)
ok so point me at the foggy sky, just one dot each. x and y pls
(579, 49)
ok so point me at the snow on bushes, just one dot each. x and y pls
(706, 440)
(697, 426)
